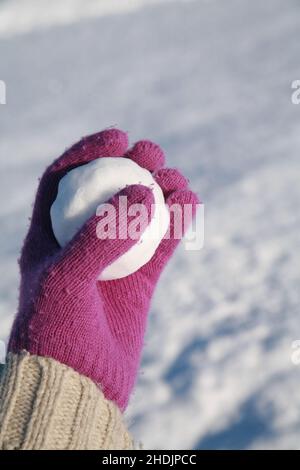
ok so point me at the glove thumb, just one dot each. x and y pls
(107, 235)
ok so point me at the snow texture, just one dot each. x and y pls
(211, 82)
(80, 196)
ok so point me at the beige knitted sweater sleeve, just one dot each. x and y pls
(47, 405)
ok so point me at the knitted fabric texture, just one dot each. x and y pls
(47, 405)
(96, 328)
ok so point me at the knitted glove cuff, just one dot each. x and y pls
(47, 405)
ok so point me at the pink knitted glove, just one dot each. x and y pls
(97, 328)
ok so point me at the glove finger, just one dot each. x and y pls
(147, 154)
(170, 180)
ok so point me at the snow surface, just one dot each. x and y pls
(19, 17)
(211, 82)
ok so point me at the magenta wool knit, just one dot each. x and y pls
(65, 313)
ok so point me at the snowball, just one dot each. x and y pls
(84, 188)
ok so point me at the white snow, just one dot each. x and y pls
(211, 82)
(84, 191)
(19, 17)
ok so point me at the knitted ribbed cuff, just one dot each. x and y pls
(47, 405)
